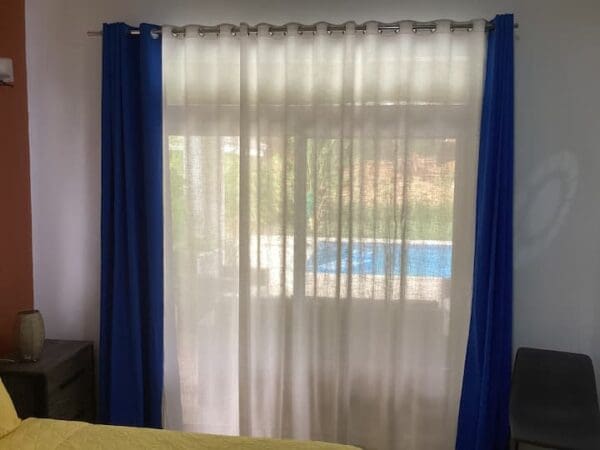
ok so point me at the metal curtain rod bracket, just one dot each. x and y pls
(394, 26)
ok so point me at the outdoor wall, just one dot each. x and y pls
(16, 281)
(557, 266)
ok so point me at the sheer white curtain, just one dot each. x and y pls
(319, 195)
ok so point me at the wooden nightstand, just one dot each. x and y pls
(59, 386)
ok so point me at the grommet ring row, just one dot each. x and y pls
(397, 27)
(329, 28)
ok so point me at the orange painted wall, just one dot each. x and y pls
(16, 279)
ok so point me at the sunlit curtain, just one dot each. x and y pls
(319, 222)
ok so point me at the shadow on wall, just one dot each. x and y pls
(542, 205)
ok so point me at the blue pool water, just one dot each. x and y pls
(422, 260)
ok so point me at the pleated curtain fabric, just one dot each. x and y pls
(319, 194)
(483, 422)
(131, 325)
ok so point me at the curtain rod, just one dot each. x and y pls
(394, 26)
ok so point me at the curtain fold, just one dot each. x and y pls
(483, 419)
(320, 210)
(131, 328)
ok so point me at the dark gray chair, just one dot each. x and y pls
(553, 400)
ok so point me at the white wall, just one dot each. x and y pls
(557, 243)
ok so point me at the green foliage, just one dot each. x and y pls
(177, 191)
(358, 186)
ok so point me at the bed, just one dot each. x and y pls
(44, 434)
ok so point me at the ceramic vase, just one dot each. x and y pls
(31, 335)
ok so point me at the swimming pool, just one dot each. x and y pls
(369, 258)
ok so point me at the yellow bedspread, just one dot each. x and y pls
(58, 434)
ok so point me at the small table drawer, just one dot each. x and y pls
(69, 371)
(68, 402)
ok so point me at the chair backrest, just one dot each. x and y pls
(550, 382)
